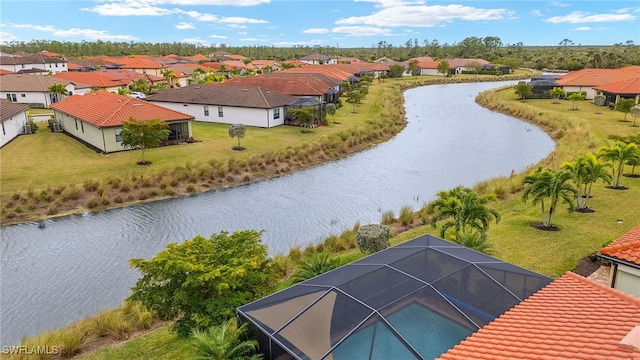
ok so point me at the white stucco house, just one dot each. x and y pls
(34, 89)
(13, 117)
(227, 104)
(97, 118)
(36, 63)
(624, 255)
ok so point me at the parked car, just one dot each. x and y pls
(137, 95)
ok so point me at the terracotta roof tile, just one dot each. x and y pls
(571, 318)
(104, 109)
(595, 77)
(91, 78)
(626, 247)
(627, 87)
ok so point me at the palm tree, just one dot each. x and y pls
(586, 171)
(463, 210)
(548, 184)
(169, 75)
(618, 155)
(315, 265)
(556, 93)
(475, 240)
(57, 89)
(225, 342)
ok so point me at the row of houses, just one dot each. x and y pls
(614, 84)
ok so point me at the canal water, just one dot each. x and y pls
(78, 265)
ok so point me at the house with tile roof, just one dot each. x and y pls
(34, 89)
(624, 89)
(318, 59)
(624, 255)
(13, 118)
(97, 118)
(227, 104)
(587, 79)
(140, 64)
(35, 63)
(571, 318)
(96, 80)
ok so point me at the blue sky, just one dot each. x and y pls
(346, 23)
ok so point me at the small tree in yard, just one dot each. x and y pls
(575, 98)
(143, 134)
(548, 187)
(618, 155)
(556, 93)
(225, 342)
(599, 100)
(373, 238)
(237, 131)
(624, 106)
(331, 110)
(201, 281)
(524, 90)
(635, 111)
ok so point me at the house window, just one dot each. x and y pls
(276, 113)
(23, 95)
(206, 110)
(118, 136)
(12, 97)
(82, 126)
(144, 71)
(76, 124)
(220, 112)
(3, 132)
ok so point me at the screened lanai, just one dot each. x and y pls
(415, 300)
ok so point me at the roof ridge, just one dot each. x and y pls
(635, 301)
(263, 96)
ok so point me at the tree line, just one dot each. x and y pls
(565, 56)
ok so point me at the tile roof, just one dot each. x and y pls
(229, 95)
(288, 83)
(105, 109)
(571, 318)
(340, 72)
(92, 78)
(9, 109)
(32, 83)
(123, 74)
(137, 62)
(630, 86)
(626, 247)
(594, 77)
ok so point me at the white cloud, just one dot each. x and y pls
(129, 8)
(242, 20)
(425, 16)
(6, 37)
(580, 17)
(558, 4)
(93, 35)
(391, 3)
(184, 26)
(89, 34)
(536, 12)
(46, 28)
(360, 31)
(218, 36)
(316, 31)
(583, 28)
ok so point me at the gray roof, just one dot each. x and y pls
(32, 83)
(227, 95)
(9, 109)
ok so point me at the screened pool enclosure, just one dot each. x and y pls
(415, 300)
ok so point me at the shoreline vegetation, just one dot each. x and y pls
(550, 253)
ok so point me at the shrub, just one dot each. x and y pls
(406, 215)
(388, 218)
(372, 238)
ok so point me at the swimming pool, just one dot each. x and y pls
(428, 332)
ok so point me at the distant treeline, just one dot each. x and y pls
(566, 55)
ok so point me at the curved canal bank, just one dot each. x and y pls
(79, 263)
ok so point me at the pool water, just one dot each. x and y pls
(430, 334)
